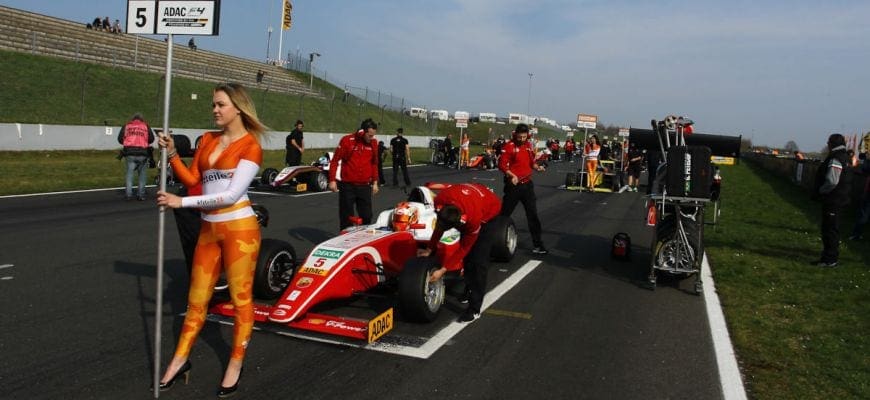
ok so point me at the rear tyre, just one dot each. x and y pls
(268, 176)
(419, 299)
(672, 252)
(317, 181)
(276, 265)
(505, 244)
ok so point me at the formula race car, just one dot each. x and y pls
(315, 177)
(364, 257)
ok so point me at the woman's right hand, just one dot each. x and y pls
(166, 142)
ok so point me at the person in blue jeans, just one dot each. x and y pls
(136, 137)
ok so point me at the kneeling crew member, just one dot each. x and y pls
(468, 207)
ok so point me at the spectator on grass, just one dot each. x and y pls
(117, 27)
(832, 187)
(192, 44)
(260, 74)
(107, 24)
(97, 24)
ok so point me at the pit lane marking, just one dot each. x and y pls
(6, 278)
(505, 313)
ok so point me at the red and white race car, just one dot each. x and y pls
(314, 176)
(361, 258)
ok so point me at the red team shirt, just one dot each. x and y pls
(478, 205)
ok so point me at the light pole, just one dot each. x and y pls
(529, 100)
(311, 68)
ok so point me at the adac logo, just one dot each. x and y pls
(304, 282)
(327, 253)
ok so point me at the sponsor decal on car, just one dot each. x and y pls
(343, 325)
(380, 325)
(316, 321)
(294, 295)
(327, 253)
(314, 271)
(304, 282)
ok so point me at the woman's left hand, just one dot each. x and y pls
(168, 199)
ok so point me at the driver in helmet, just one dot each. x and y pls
(404, 215)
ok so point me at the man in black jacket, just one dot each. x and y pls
(832, 187)
(401, 157)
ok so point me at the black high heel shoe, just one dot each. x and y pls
(184, 370)
(229, 391)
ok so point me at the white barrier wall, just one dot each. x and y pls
(29, 137)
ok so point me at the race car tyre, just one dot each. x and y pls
(182, 145)
(276, 265)
(672, 252)
(505, 244)
(197, 142)
(268, 176)
(420, 300)
(317, 181)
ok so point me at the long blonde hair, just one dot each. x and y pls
(241, 100)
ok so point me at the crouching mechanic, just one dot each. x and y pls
(468, 207)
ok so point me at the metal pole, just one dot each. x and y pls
(269, 36)
(135, 53)
(281, 31)
(311, 73)
(161, 222)
(84, 78)
(529, 99)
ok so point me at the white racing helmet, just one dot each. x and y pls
(404, 215)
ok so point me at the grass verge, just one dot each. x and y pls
(799, 331)
(26, 172)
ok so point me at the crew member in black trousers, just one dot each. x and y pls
(401, 157)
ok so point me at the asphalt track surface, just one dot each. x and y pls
(78, 296)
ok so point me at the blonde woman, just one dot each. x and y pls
(464, 146)
(226, 162)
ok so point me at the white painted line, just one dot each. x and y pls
(430, 346)
(6, 266)
(729, 374)
(6, 278)
(66, 192)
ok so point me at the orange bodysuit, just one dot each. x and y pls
(229, 237)
(591, 153)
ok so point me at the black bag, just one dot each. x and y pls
(688, 172)
(620, 246)
(571, 179)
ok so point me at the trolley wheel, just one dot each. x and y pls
(699, 287)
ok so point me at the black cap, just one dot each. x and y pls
(400, 130)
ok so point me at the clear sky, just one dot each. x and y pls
(771, 70)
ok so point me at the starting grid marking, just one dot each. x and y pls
(412, 346)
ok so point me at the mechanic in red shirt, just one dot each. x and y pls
(358, 154)
(517, 163)
(468, 207)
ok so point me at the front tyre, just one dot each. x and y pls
(276, 265)
(269, 175)
(419, 299)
